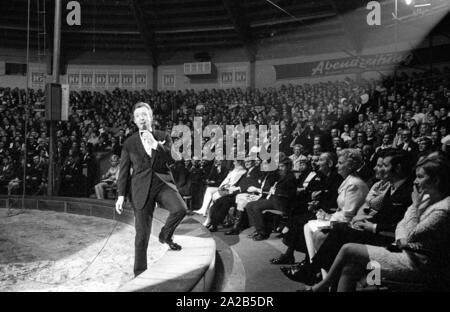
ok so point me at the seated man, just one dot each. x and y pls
(253, 193)
(296, 158)
(35, 177)
(322, 190)
(351, 195)
(6, 172)
(369, 228)
(71, 174)
(280, 198)
(228, 186)
(15, 183)
(109, 178)
(222, 205)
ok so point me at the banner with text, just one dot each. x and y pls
(347, 65)
(356, 64)
(102, 79)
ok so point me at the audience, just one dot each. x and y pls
(384, 207)
(280, 198)
(377, 127)
(219, 209)
(351, 195)
(227, 187)
(320, 193)
(420, 252)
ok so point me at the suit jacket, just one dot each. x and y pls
(252, 178)
(393, 208)
(329, 186)
(412, 147)
(352, 193)
(215, 177)
(286, 187)
(134, 156)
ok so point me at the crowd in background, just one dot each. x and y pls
(369, 114)
(333, 136)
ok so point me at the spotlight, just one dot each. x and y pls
(408, 2)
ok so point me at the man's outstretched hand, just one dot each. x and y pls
(119, 204)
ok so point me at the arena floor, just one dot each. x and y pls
(49, 251)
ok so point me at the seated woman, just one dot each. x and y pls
(421, 250)
(351, 195)
(383, 209)
(227, 186)
(214, 179)
(109, 178)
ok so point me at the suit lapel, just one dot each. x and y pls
(152, 159)
(140, 146)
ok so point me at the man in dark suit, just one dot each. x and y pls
(221, 206)
(366, 228)
(320, 193)
(148, 153)
(280, 198)
(408, 144)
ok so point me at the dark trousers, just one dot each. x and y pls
(220, 208)
(337, 238)
(169, 199)
(255, 209)
(295, 237)
(197, 191)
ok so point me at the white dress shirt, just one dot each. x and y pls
(144, 135)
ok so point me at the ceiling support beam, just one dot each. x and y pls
(242, 27)
(147, 33)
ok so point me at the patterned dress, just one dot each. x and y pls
(427, 231)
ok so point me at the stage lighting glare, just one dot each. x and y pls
(408, 2)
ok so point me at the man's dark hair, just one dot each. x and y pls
(402, 158)
(332, 157)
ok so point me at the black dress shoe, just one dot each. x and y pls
(304, 273)
(233, 232)
(283, 259)
(253, 234)
(212, 228)
(291, 267)
(260, 237)
(228, 224)
(173, 245)
(306, 289)
(170, 242)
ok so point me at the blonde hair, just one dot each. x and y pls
(353, 158)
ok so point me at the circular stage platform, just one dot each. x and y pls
(52, 251)
(76, 244)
